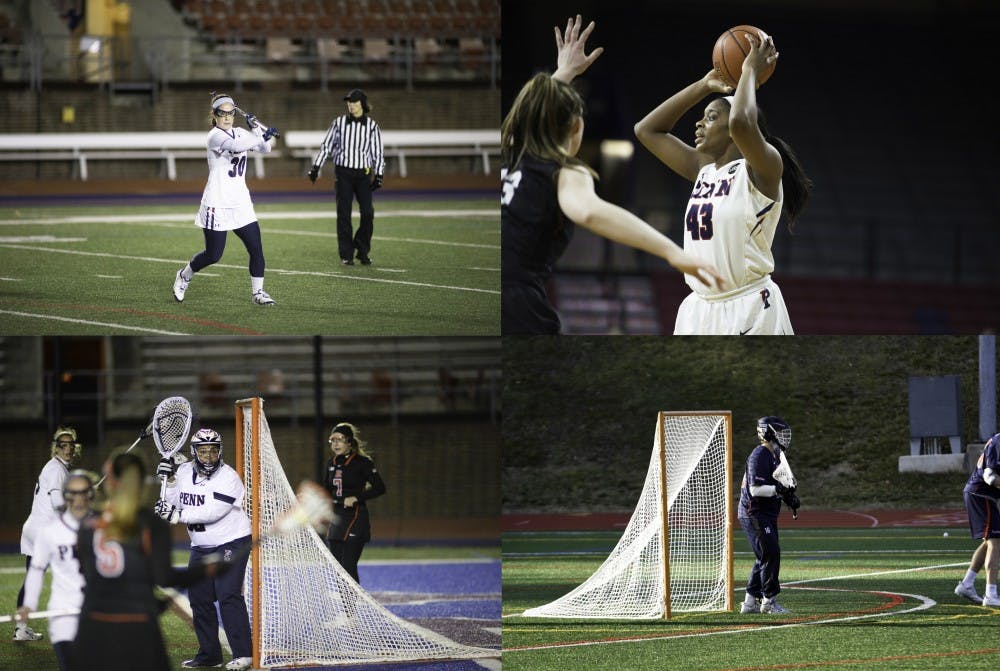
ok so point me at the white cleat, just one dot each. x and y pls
(261, 298)
(750, 607)
(26, 633)
(180, 286)
(772, 606)
(968, 593)
(991, 601)
(239, 663)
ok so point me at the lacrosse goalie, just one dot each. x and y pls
(766, 483)
(980, 493)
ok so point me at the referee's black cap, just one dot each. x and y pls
(355, 95)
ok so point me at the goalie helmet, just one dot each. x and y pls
(70, 433)
(206, 438)
(775, 430)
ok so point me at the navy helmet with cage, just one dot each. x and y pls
(206, 438)
(775, 430)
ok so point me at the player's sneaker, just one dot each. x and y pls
(262, 298)
(750, 606)
(772, 606)
(968, 593)
(991, 601)
(180, 286)
(26, 633)
(198, 664)
(239, 663)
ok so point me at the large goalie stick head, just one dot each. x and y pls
(171, 425)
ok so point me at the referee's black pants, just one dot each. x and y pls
(353, 183)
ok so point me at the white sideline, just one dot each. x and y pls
(90, 323)
(317, 214)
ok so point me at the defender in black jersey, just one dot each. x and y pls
(546, 189)
(351, 479)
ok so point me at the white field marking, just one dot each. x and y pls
(11, 279)
(39, 238)
(90, 323)
(874, 520)
(318, 214)
(111, 277)
(270, 270)
(491, 664)
(491, 270)
(925, 603)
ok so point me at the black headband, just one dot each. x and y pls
(344, 429)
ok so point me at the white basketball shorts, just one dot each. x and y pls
(225, 218)
(757, 309)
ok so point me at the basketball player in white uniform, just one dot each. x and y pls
(744, 180)
(207, 495)
(225, 203)
(45, 507)
(55, 546)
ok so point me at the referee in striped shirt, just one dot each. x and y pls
(355, 143)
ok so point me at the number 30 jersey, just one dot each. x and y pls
(227, 163)
(730, 224)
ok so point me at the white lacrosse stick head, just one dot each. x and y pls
(171, 425)
(313, 507)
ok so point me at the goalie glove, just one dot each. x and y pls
(792, 501)
(167, 511)
(166, 469)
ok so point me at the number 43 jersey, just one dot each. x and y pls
(730, 224)
(227, 164)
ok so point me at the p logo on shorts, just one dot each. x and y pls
(764, 295)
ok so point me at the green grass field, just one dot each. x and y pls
(177, 631)
(861, 599)
(109, 270)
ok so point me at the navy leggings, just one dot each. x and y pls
(215, 244)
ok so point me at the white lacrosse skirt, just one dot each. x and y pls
(225, 218)
(756, 309)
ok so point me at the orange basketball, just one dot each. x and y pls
(730, 51)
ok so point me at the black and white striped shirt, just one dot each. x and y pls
(353, 143)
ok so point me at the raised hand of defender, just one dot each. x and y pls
(167, 511)
(572, 59)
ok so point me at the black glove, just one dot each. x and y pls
(251, 120)
(166, 469)
(313, 173)
(792, 501)
(377, 182)
(782, 490)
(269, 133)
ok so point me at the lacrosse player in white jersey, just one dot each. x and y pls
(207, 495)
(225, 203)
(744, 180)
(55, 546)
(45, 507)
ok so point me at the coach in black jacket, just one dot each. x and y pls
(355, 143)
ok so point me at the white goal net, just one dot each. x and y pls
(676, 552)
(305, 609)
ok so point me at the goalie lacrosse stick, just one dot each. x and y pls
(171, 425)
(783, 474)
(313, 508)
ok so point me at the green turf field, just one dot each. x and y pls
(861, 599)
(109, 270)
(177, 631)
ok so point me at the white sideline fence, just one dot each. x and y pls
(170, 146)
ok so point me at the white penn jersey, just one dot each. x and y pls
(227, 164)
(730, 224)
(212, 508)
(48, 495)
(55, 546)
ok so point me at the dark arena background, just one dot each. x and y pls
(105, 110)
(882, 101)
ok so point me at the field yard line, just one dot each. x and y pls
(243, 267)
(90, 323)
(874, 573)
(925, 603)
(189, 216)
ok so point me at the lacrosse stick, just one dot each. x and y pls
(171, 425)
(145, 434)
(313, 507)
(257, 122)
(783, 474)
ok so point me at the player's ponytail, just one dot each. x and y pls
(794, 180)
(129, 473)
(539, 122)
